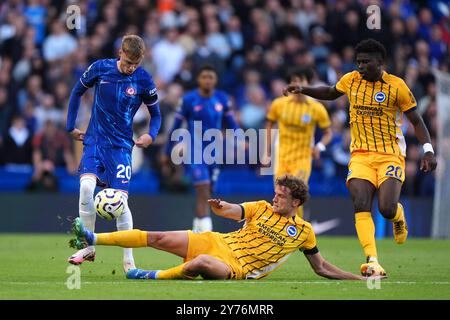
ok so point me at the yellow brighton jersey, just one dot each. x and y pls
(376, 111)
(296, 124)
(267, 239)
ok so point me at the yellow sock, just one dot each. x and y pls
(173, 273)
(300, 212)
(127, 238)
(365, 228)
(399, 214)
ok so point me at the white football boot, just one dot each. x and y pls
(86, 254)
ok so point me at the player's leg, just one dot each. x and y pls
(202, 184)
(207, 267)
(125, 222)
(88, 170)
(87, 216)
(199, 251)
(362, 192)
(202, 220)
(175, 242)
(118, 175)
(303, 173)
(203, 265)
(391, 208)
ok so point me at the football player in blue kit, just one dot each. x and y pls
(205, 108)
(121, 86)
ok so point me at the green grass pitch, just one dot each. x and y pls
(33, 266)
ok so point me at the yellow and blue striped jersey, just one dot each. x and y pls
(267, 239)
(376, 112)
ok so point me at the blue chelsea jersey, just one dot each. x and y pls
(209, 110)
(117, 98)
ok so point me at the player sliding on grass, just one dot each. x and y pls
(121, 86)
(378, 149)
(270, 234)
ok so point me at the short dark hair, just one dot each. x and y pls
(206, 67)
(301, 72)
(299, 189)
(371, 46)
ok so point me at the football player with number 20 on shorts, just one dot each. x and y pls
(121, 86)
(378, 101)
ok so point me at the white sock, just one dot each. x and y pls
(125, 222)
(86, 202)
(202, 224)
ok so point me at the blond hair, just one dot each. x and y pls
(133, 46)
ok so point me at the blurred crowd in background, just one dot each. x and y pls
(252, 44)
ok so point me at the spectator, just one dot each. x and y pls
(250, 42)
(59, 43)
(51, 149)
(17, 146)
(36, 14)
(47, 111)
(168, 55)
(253, 113)
(6, 110)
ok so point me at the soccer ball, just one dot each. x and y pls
(109, 204)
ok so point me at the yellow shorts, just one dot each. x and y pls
(300, 169)
(212, 244)
(376, 167)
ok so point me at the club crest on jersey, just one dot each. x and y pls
(379, 97)
(130, 91)
(218, 107)
(306, 118)
(291, 231)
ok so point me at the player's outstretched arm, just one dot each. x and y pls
(325, 269)
(321, 93)
(225, 209)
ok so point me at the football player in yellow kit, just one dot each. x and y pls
(377, 103)
(297, 117)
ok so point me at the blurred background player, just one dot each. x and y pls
(270, 235)
(378, 148)
(207, 107)
(121, 86)
(297, 117)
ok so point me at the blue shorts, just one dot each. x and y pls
(112, 166)
(203, 173)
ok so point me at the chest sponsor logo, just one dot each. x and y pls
(379, 97)
(197, 108)
(369, 111)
